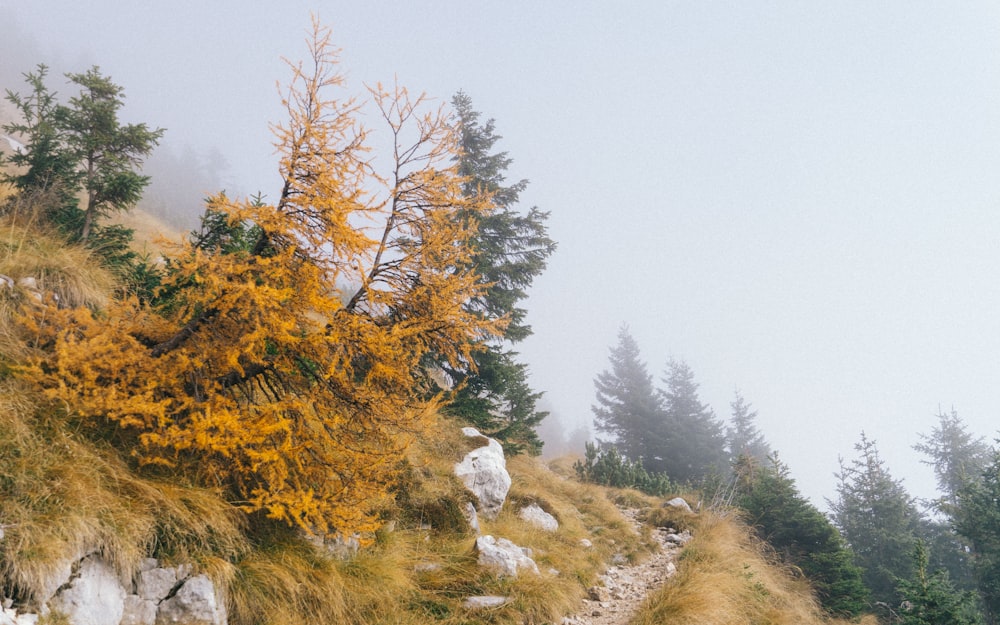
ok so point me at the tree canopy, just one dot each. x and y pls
(284, 359)
(508, 250)
(693, 442)
(627, 410)
(879, 520)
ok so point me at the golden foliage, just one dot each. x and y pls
(291, 372)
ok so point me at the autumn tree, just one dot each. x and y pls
(509, 250)
(627, 411)
(285, 364)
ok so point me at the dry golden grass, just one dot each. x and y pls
(66, 271)
(151, 232)
(62, 497)
(725, 577)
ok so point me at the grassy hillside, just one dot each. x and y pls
(726, 575)
(68, 488)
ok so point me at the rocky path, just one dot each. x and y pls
(623, 587)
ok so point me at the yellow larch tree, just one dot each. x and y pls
(287, 368)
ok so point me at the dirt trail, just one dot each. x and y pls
(623, 587)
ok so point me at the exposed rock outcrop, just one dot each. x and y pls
(484, 473)
(504, 557)
(539, 518)
(91, 592)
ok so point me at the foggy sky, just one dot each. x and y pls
(800, 200)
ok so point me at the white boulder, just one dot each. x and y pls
(539, 518)
(94, 596)
(484, 473)
(678, 502)
(483, 602)
(503, 557)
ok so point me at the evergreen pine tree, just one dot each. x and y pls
(977, 518)
(742, 437)
(82, 148)
(931, 598)
(510, 249)
(956, 455)
(627, 408)
(878, 519)
(693, 442)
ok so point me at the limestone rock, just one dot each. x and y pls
(195, 603)
(138, 611)
(94, 596)
(484, 601)
(540, 518)
(469, 512)
(585, 543)
(503, 557)
(155, 584)
(678, 502)
(484, 472)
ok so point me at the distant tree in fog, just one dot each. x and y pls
(956, 455)
(692, 443)
(879, 520)
(742, 436)
(628, 411)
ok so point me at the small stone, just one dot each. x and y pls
(586, 544)
(426, 567)
(598, 593)
(484, 602)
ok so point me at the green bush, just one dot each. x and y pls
(610, 468)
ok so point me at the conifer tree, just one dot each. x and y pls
(80, 148)
(109, 153)
(742, 437)
(286, 363)
(802, 535)
(932, 599)
(879, 520)
(692, 442)
(956, 455)
(627, 408)
(44, 163)
(509, 250)
(977, 518)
